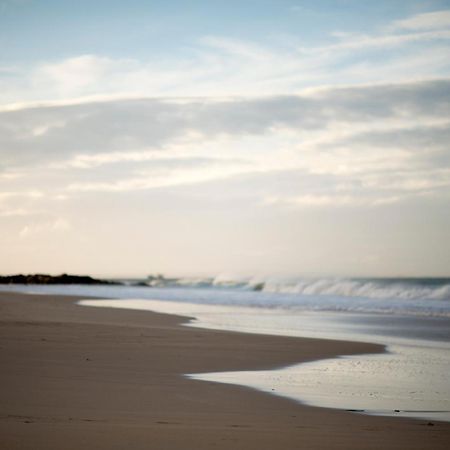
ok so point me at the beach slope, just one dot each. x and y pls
(76, 377)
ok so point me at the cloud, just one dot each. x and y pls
(17, 203)
(30, 194)
(421, 28)
(14, 212)
(412, 48)
(58, 225)
(351, 41)
(426, 21)
(351, 146)
(76, 73)
(311, 200)
(168, 172)
(136, 130)
(230, 143)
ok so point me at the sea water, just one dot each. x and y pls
(410, 316)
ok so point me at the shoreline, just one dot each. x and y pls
(109, 378)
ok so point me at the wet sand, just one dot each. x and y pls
(74, 377)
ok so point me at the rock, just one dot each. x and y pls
(51, 279)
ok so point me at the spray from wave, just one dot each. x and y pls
(400, 296)
(377, 288)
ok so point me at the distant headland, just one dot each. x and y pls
(52, 279)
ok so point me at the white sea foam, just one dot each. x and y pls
(388, 288)
(378, 289)
(419, 297)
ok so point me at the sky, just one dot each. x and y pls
(251, 137)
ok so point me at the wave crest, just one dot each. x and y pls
(376, 288)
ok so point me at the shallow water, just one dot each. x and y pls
(408, 381)
(411, 380)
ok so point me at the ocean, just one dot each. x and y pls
(410, 316)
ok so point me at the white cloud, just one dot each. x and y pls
(14, 212)
(45, 128)
(75, 73)
(198, 146)
(87, 161)
(19, 203)
(27, 194)
(58, 225)
(351, 41)
(373, 145)
(244, 50)
(313, 200)
(221, 66)
(141, 130)
(425, 21)
(167, 177)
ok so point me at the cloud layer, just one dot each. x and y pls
(390, 141)
(414, 48)
(318, 156)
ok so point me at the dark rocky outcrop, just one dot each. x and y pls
(52, 279)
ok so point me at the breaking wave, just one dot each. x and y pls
(380, 288)
(400, 296)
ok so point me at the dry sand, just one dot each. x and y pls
(74, 377)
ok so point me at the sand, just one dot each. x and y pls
(74, 377)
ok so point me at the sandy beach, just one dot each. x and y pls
(95, 378)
